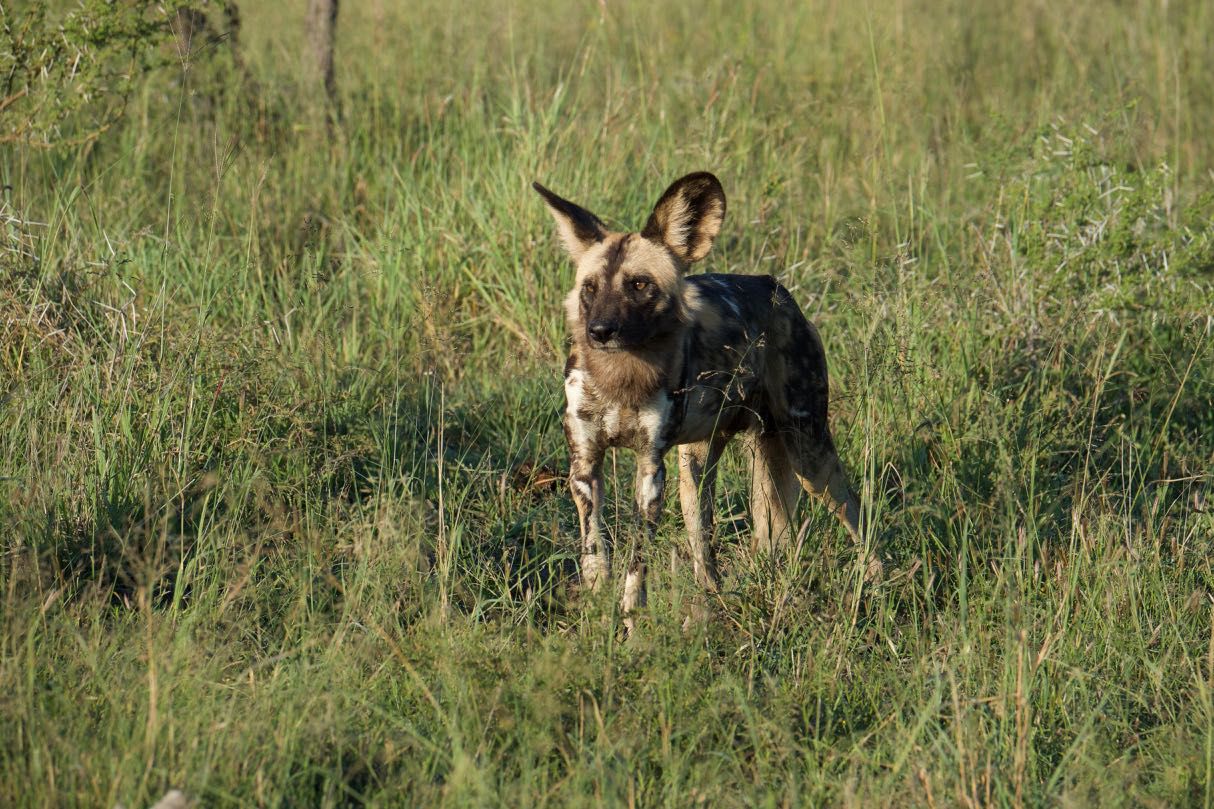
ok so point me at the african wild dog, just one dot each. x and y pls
(661, 358)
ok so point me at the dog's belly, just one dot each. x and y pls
(708, 412)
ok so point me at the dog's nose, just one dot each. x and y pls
(601, 330)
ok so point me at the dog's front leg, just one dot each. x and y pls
(586, 484)
(650, 485)
(697, 482)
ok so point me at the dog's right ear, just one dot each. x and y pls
(580, 229)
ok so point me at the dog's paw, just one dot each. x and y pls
(595, 571)
(874, 569)
(697, 619)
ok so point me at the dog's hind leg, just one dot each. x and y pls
(774, 491)
(805, 431)
(821, 473)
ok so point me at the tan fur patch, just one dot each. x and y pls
(700, 311)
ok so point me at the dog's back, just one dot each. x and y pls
(753, 361)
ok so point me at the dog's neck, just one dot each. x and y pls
(632, 377)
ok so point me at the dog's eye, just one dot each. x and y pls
(589, 287)
(640, 286)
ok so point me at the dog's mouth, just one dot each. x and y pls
(616, 345)
(611, 343)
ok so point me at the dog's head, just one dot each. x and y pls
(628, 293)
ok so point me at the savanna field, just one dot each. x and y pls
(282, 507)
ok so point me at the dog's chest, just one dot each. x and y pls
(592, 421)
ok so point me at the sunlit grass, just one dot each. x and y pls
(266, 390)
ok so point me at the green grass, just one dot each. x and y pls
(263, 387)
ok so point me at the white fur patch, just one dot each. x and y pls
(651, 489)
(653, 416)
(583, 488)
(611, 421)
(573, 387)
(595, 570)
(581, 432)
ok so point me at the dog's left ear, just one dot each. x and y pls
(688, 216)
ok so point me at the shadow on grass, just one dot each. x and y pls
(1054, 431)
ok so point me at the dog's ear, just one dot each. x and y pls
(580, 229)
(688, 216)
